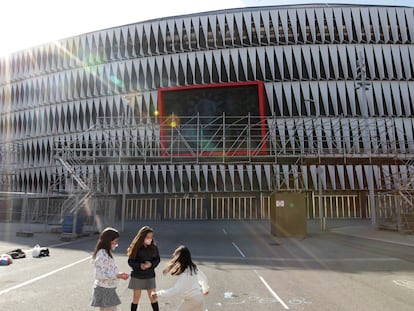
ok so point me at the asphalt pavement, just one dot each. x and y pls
(248, 268)
(16, 235)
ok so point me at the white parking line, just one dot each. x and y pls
(42, 276)
(264, 281)
(271, 290)
(239, 250)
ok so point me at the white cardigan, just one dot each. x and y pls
(106, 270)
(187, 285)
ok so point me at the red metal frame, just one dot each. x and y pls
(260, 95)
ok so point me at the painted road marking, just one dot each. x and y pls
(264, 281)
(406, 283)
(271, 291)
(238, 249)
(43, 276)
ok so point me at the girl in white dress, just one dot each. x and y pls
(191, 285)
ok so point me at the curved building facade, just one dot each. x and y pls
(205, 115)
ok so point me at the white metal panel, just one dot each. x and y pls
(321, 24)
(234, 56)
(240, 170)
(333, 55)
(373, 12)
(238, 18)
(386, 176)
(247, 17)
(243, 56)
(406, 62)
(266, 169)
(314, 176)
(332, 175)
(329, 21)
(306, 53)
(379, 61)
(386, 50)
(257, 24)
(372, 124)
(287, 90)
(369, 177)
(189, 176)
(384, 23)
(290, 125)
(270, 96)
(195, 22)
(327, 129)
(370, 61)
(266, 23)
(351, 179)
(287, 53)
(231, 173)
(348, 23)
(274, 16)
(282, 134)
(390, 131)
(249, 170)
(293, 23)
(409, 15)
(225, 56)
(337, 13)
(258, 170)
(346, 134)
(405, 96)
(393, 22)
(315, 59)
(401, 22)
(270, 56)
(304, 170)
(350, 89)
(297, 98)
(213, 24)
(205, 172)
(356, 19)
(399, 126)
(260, 52)
(297, 55)
(284, 21)
(197, 175)
(396, 59)
(377, 177)
(286, 174)
(366, 22)
(341, 176)
(409, 132)
(323, 88)
(396, 98)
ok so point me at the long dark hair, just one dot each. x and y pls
(105, 239)
(138, 242)
(180, 262)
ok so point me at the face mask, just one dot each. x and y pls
(148, 241)
(114, 247)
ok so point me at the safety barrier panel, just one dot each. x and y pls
(141, 209)
(337, 206)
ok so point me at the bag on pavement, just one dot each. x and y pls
(40, 251)
(5, 260)
(17, 253)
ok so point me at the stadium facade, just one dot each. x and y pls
(204, 116)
